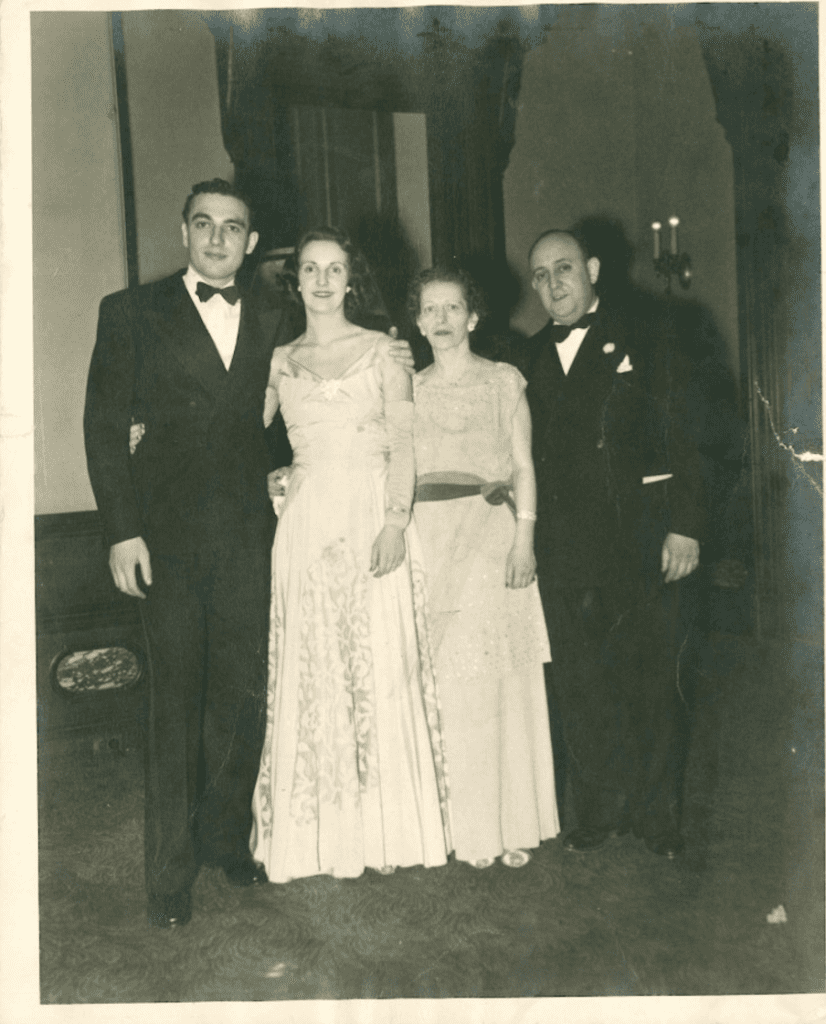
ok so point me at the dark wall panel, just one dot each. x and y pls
(79, 609)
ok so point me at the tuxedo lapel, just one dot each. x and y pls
(587, 363)
(546, 374)
(609, 343)
(247, 349)
(188, 339)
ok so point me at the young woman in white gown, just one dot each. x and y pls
(475, 511)
(352, 773)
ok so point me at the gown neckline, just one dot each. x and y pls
(344, 373)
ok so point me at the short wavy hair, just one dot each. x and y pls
(471, 291)
(363, 296)
(220, 187)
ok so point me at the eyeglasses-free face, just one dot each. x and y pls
(443, 314)
(562, 278)
(217, 236)
(323, 275)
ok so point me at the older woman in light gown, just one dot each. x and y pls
(351, 775)
(475, 512)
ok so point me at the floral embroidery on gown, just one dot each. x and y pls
(489, 643)
(352, 773)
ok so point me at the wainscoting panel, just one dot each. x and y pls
(79, 610)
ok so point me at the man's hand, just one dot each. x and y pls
(277, 483)
(123, 557)
(680, 556)
(399, 350)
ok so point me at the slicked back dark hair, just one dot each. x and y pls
(220, 187)
(446, 275)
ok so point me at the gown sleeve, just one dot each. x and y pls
(401, 470)
(511, 388)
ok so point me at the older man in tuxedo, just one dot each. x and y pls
(620, 518)
(190, 525)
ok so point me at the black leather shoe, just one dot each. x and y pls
(582, 839)
(666, 844)
(170, 911)
(244, 873)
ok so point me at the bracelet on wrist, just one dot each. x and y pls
(530, 516)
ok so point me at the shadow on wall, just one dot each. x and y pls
(382, 239)
(711, 395)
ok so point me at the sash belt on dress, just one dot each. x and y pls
(497, 493)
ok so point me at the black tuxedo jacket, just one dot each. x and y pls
(198, 477)
(596, 434)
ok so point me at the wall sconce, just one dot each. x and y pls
(671, 263)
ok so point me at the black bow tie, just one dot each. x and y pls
(559, 332)
(206, 291)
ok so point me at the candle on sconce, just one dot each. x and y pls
(674, 221)
(656, 227)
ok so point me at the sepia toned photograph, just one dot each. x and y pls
(427, 512)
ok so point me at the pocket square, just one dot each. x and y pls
(625, 366)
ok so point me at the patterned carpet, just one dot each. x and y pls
(618, 921)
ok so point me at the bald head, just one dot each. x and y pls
(563, 276)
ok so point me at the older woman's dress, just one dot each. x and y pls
(489, 643)
(351, 774)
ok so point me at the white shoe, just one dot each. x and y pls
(388, 869)
(480, 865)
(515, 858)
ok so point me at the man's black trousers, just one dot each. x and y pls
(619, 684)
(206, 631)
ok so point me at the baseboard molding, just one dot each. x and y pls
(66, 524)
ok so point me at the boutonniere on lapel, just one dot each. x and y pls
(625, 366)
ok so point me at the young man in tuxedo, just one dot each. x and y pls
(620, 514)
(190, 526)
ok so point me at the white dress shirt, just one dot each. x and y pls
(219, 317)
(568, 348)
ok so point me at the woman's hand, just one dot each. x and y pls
(520, 569)
(388, 551)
